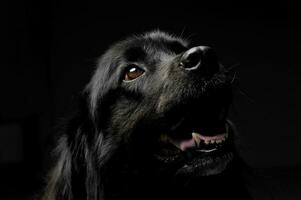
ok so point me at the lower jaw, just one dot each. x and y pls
(195, 164)
(206, 166)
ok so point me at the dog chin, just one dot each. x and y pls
(206, 166)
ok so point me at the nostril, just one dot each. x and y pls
(201, 59)
(191, 60)
(194, 57)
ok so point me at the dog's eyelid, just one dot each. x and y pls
(136, 65)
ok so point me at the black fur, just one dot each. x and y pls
(106, 151)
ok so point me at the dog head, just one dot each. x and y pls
(160, 101)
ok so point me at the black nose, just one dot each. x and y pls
(200, 58)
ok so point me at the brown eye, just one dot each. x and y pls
(133, 72)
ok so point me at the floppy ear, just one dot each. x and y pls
(79, 157)
(103, 83)
(82, 147)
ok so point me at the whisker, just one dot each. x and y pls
(231, 67)
(190, 37)
(243, 93)
(182, 32)
(233, 78)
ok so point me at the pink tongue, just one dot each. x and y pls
(186, 144)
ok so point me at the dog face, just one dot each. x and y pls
(163, 103)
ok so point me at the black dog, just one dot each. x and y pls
(152, 124)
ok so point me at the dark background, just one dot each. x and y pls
(50, 49)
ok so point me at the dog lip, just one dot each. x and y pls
(214, 164)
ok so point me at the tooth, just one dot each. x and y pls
(207, 141)
(196, 138)
(212, 141)
(219, 141)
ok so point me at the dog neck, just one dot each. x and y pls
(148, 185)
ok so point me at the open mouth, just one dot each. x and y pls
(199, 154)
